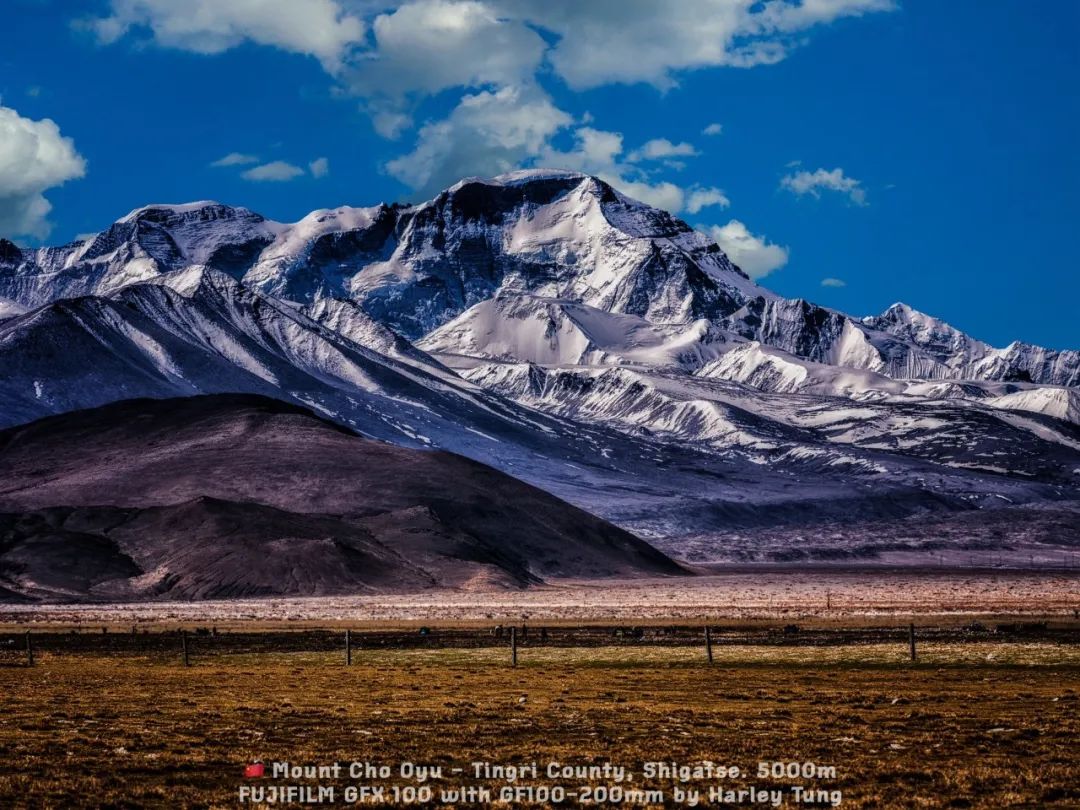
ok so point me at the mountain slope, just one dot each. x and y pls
(545, 324)
(197, 331)
(216, 496)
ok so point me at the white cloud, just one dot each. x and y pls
(34, 157)
(659, 195)
(628, 41)
(235, 159)
(833, 282)
(319, 28)
(595, 151)
(659, 149)
(494, 132)
(427, 46)
(277, 171)
(754, 254)
(389, 122)
(797, 16)
(320, 167)
(393, 54)
(812, 183)
(598, 152)
(487, 133)
(704, 197)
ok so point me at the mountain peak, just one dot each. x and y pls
(544, 233)
(10, 253)
(907, 317)
(170, 208)
(531, 175)
(197, 214)
(520, 177)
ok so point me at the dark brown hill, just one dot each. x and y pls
(237, 495)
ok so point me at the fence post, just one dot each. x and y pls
(708, 643)
(513, 646)
(348, 648)
(29, 650)
(911, 639)
(184, 647)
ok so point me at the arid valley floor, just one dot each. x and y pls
(809, 667)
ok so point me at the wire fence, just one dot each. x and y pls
(188, 645)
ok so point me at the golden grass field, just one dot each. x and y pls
(972, 724)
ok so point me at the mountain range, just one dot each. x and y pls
(545, 324)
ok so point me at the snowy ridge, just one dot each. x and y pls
(546, 233)
(545, 324)
(9, 309)
(551, 331)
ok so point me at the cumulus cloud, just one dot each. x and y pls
(599, 153)
(487, 133)
(661, 148)
(319, 28)
(833, 282)
(663, 194)
(704, 197)
(388, 119)
(427, 45)
(754, 254)
(813, 183)
(491, 53)
(34, 157)
(235, 159)
(423, 47)
(629, 41)
(276, 171)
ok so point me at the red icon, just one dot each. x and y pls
(254, 771)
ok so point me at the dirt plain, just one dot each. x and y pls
(809, 667)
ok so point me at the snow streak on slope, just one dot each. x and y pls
(561, 332)
(781, 429)
(211, 335)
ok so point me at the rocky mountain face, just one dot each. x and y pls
(545, 324)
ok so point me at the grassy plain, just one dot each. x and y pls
(972, 724)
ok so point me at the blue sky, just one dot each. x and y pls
(868, 151)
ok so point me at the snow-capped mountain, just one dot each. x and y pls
(552, 236)
(546, 324)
